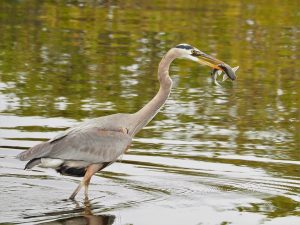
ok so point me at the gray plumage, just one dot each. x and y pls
(91, 144)
(94, 141)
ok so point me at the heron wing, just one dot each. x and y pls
(91, 144)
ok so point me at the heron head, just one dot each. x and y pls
(189, 52)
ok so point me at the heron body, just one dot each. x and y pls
(90, 146)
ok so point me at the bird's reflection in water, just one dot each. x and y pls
(88, 218)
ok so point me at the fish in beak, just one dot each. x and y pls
(215, 73)
(216, 64)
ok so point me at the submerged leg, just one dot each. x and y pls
(91, 170)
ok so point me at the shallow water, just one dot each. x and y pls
(213, 155)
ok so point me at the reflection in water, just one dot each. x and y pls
(86, 219)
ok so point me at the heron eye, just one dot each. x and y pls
(193, 52)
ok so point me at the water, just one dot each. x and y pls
(213, 155)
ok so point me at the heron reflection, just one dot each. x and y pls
(87, 217)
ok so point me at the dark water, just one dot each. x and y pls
(213, 155)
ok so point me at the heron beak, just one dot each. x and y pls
(210, 61)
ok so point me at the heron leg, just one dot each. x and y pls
(86, 187)
(76, 190)
(91, 170)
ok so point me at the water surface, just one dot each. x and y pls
(213, 155)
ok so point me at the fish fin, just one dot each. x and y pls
(235, 68)
(224, 77)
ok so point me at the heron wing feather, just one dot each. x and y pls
(91, 144)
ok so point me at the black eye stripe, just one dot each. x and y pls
(184, 46)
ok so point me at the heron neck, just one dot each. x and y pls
(146, 114)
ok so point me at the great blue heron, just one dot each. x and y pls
(91, 146)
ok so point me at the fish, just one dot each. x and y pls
(229, 73)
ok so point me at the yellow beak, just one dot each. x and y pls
(210, 61)
(206, 59)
